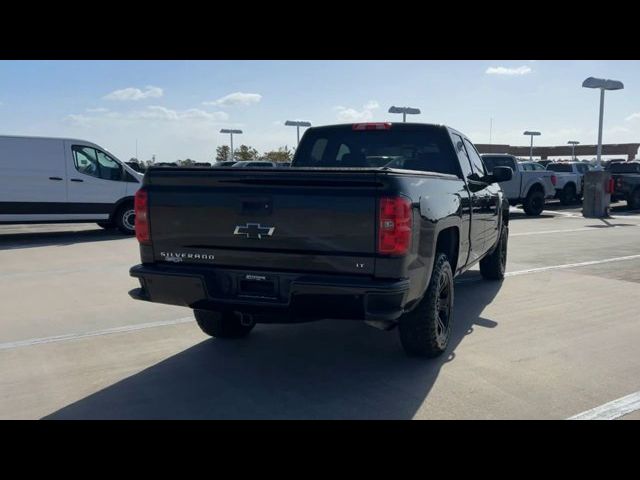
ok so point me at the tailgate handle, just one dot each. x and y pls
(257, 206)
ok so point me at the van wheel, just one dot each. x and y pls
(425, 330)
(534, 203)
(568, 194)
(125, 219)
(106, 225)
(221, 324)
(492, 267)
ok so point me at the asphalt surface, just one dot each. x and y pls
(559, 336)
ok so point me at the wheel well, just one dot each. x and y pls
(570, 183)
(120, 203)
(536, 187)
(449, 244)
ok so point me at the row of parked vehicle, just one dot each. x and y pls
(533, 183)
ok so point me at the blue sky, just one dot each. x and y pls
(175, 109)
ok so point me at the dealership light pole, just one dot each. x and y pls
(573, 144)
(297, 124)
(532, 134)
(230, 132)
(603, 85)
(404, 111)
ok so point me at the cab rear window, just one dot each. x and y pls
(425, 149)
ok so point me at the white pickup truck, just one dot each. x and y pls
(530, 185)
(570, 180)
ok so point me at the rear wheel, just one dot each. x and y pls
(492, 267)
(534, 203)
(425, 330)
(221, 324)
(633, 201)
(125, 219)
(568, 194)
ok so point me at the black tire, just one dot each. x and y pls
(493, 266)
(568, 194)
(633, 201)
(106, 225)
(221, 324)
(425, 330)
(125, 219)
(534, 203)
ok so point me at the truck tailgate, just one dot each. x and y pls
(320, 221)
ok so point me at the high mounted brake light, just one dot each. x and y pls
(394, 225)
(372, 126)
(141, 208)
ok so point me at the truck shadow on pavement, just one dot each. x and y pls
(321, 370)
(13, 241)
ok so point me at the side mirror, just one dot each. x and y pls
(500, 174)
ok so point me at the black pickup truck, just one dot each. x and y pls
(371, 222)
(626, 182)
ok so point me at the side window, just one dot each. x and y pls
(85, 160)
(465, 163)
(318, 150)
(109, 168)
(342, 151)
(476, 161)
(526, 167)
(95, 163)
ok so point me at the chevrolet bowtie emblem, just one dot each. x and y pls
(254, 230)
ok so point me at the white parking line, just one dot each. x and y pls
(570, 265)
(554, 267)
(612, 410)
(583, 229)
(109, 331)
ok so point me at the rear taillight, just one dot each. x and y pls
(372, 126)
(141, 207)
(394, 226)
(610, 186)
(554, 180)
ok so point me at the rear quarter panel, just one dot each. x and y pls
(439, 202)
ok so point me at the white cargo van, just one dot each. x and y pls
(50, 180)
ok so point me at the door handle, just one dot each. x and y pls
(55, 178)
(77, 180)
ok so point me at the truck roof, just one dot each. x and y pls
(393, 125)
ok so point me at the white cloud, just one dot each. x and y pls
(97, 110)
(153, 112)
(236, 98)
(523, 70)
(162, 113)
(132, 93)
(347, 114)
(633, 116)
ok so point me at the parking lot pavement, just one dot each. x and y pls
(558, 337)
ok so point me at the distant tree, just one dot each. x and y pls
(222, 153)
(186, 163)
(282, 155)
(245, 153)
